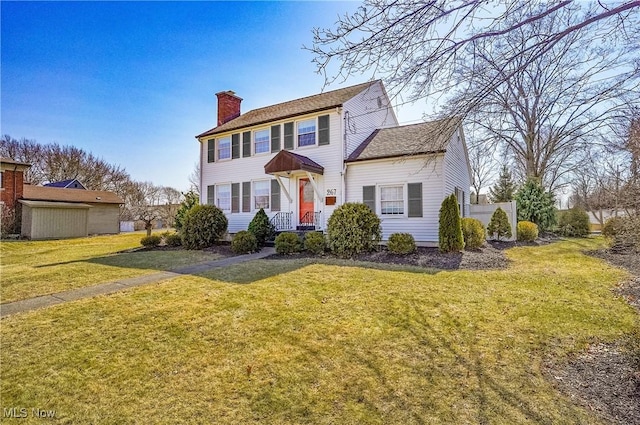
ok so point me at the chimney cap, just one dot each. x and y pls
(228, 93)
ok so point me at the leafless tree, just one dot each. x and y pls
(483, 168)
(194, 179)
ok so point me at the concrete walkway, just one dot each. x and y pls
(118, 285)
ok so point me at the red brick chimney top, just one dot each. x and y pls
(228, 106)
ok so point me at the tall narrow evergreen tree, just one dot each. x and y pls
(450, 238)
(504, 189)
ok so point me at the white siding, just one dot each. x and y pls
(104, 219)
(363, 115)
(456, 168)
(252, 168)
(425, 169)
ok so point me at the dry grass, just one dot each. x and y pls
(320, 343)
(37, 268)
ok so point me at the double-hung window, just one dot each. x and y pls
(307, 132)
(224, 148)
(261, 194)
(223, 196)
(392, 200)
(261, 141)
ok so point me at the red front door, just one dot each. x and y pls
(306, 201)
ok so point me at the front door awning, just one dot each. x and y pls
(286, 162)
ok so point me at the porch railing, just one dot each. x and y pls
(310, 219)
(282, 221)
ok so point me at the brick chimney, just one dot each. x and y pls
(228, 106)
(12, 181)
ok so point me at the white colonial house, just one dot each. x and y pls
(299, 160)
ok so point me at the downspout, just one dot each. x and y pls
(343, 173)
(201, 169)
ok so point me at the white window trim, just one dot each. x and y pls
(405, 201)
(253, 141)
(297, 134)
(217, 197)
(218, 149)
(253, 195)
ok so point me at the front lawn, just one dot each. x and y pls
(33, 268)
(293, 342)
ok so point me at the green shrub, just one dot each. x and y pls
(244, 242)
(203, 226)
(627, 238)
(190, 200)
(527, 231)
(314, 242)
(352, 229)
(150, 241)
(401, 243)
(612, 227)
(499, 225)
(261, 227)
(173, 239)
(536, 205)
(450, 237)
(288, 243)
(573, 223)
(473, 233)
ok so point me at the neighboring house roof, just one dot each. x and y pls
(69, 184)
(288, 161)
(406, 140)
(42, 193)
(305, 105)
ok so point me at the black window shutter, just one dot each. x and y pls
(275, 195)
(323, 130)
(369, 197)
(275, 138)
(235, 197)
(235, 145)
(211, 195)
(415, 199)
(288, 135)
(211, 150)
(246, 144)
(246, 196)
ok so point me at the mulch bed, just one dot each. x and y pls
(606, 378)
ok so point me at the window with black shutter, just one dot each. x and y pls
(275, 195)
(414, 192)
(235, 197)
(246, 196)
(211, 195)
(288, 135)
(211, 150)
(275, 138)
(235, 146)
(246, 144)
(369, 197)
(323, 130)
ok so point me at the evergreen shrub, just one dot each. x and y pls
(450, 238)
(401, 243)
(473, 233)
(261, 227)
(203, 226)
(288, 243)
(536, 205)
(499, 225)
(352, 229)
(244, 242)
(150, 241)
(173, 239)
(527, 231)
(573, 223)
(315, 243)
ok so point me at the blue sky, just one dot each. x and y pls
(134, 82)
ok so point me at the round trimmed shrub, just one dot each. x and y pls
(401, 243)
(261, 227)
(287, 243)
(203, 226)
(527, 231)
(473, 233)
(244, 242)
(573, 223)
(627, 239)
(499, 225)
(150, 241)
(173, 239)
(612, 227)
(450, 237)
(315, 243)
(352, 229)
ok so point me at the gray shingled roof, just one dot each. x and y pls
(416, 139)
(305, 105)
